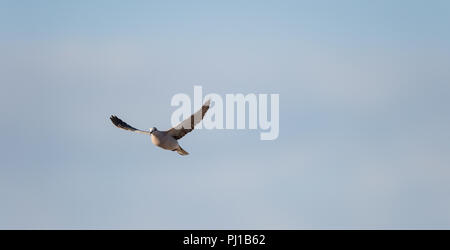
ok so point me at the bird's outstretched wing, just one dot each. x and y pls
(123, 125)
(188, 125)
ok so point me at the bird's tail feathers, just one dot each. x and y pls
(181, 151)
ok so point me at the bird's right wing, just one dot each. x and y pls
(123, 125)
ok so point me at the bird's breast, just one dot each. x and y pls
(164, 141)
(156, 140)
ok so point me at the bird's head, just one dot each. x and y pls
(153, 130)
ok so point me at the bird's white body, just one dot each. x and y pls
(163, 140)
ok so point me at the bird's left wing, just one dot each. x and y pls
(188, 125)
(123, 125)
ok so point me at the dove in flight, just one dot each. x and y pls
(168, 139)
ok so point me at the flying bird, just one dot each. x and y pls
(168, 139)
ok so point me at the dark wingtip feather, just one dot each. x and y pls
(115, 120)
(121, 124)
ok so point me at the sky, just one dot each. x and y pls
(364, 137)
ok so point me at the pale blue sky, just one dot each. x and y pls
(364, 94)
